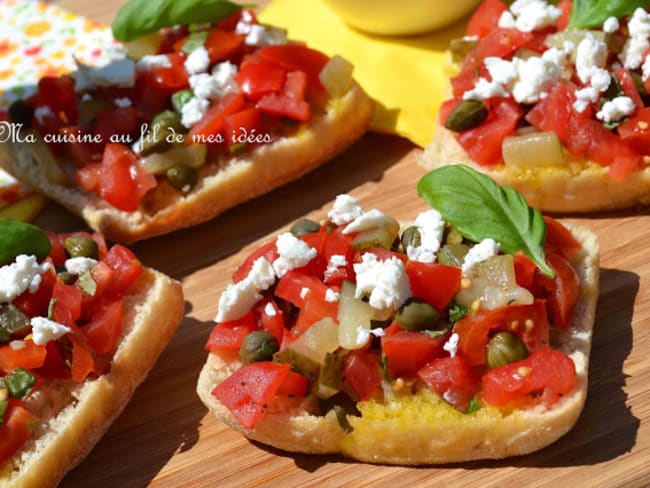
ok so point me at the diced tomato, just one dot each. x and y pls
(629, 88)
(267, 251)
(30, 356)
(563, 21)
(392, 329)
(15, 430)
(290, 103)
(35, 304)
(294, 385)
(57, 252)
(89, 177)
(338, 244)
(83, 357)
(636, 131)
(243, 127)
(172, 78)
(223, 45)
(559, 239)
(314, 309)
(483, 143)
(524, 271)
(291, 286)
(126, 266)
(361, 371)
(103, 275)
(230, 22)
(104, 330)
(552, 112)
(169, 36)
(228, 336)
(272, 322)
(214, 120)
(547, 372)
(54, 365)
(58, 93)
(69, 297)
(452, 379)
(485, 18)
(561, 292)
(474, 329)
(118, 122)
(248, 391)
(433, 282)
(257, 78)
(406, 352)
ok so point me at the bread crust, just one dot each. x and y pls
(579, 186)
(422, 428)
(153, 309)
(232, 181)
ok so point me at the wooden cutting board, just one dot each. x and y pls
(166, 438)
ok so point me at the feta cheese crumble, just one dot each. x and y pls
(236, 300)
(217, 84)
(346, 208)
(198, 61)
(123, 102)
(23, 274)
(451, 346)
(529, 15)
(262, 274)
(118, 73)
(79, 265)
(363, 334)
(480, 252)
(336, 261)
(153, 61)
(331, 295)
(293, 253)
(386, 282)
(45, 330)
(616, 109)
(611, 25)
(193, 111)
(638, 41)
(269, 310)
(431, 227)
(304, 292)
(373, 219)
(265, 35)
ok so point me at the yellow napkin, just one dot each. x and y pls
(405, 75)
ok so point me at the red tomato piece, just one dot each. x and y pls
(553, 112)
(267, 251)
(257, 78)
(57, 252)
(248, 391)
(406, 352)
(36, 304)
(214, 120)
(117, 122)
(629, 88)
(58, 93)
(473, 330)
(230, 22)
(636, 131)
(452, 379)
(294, 385)
(546, 371)
(338, 244)
(228, 336)
(446, 108)
(222, 44)
(15, 430)
(83, 357)
(559, 239)
(433, 282)
(524, 271)
(54, 365)
(485, 18)
(290, 103)
(69, 297)
(483, 143)
(563, 21)
(29, 357)
(291, 286)
(561, 292)
(243, 127)
(104, 330)
(272, 322)
(361, 371)
(314, 309)
(126, 266)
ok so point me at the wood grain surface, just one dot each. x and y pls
(166, 438)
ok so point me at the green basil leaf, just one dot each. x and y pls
(592, 13)
(479, 208)
(456, 312)
(140, 17)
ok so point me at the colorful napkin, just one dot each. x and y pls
(405, 75)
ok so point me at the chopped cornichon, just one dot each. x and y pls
(87, 284)
(12, 320)
(19, 383)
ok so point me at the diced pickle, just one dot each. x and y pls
(297, 360)
(533, 150)
(453, 254)
(193, 156)
(12, 321)
(329, 379)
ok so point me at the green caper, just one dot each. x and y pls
(12, 321)
(411, 237)
(303, 227)
(416, 314)
(258, 346)
(452, 254)
(157, 137)
(21, 113)
(182, 177)
(467, 114)
(505, 348)
(78, 247)
(452, 236)
(460, 47)
(67, 278)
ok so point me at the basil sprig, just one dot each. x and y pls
(479, 208)
(140, 17)
(592, 13)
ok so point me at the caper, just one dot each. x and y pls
(411, 237)
(78, 247)
(67, 278)
(303, 227)
(258, 346)
(452, 236)
(21, 113)
(505, 348)
(467, 114)
(416, 314)
(182, 177)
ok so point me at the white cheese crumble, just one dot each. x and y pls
(118, 73)
(611, 25)
(335, 262)
(41, 112)
(23, 274)
(363, 334)
(590, 55)
(304, 292)
(372, 219)
(386, 282)
(262, 274)
(45, 330)
(431, 227)
(217, 84)
(484, 89)
(269, 310)
(616, 109)
(331, 295)
(480, 252)
(346, 208)
(193, 111)
(150, 62)
(293, 253)
(264, 35)
(451, 346)
(17, 345)
(637, 43)
(236, 300)
(198, 61)
(246, 21)
(79, 265)
(123, 102)
(529, 15)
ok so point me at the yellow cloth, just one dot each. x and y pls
(405, 75)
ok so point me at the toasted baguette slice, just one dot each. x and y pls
(221, 186)
(153, 309)
(423, 428)
(578, 186)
